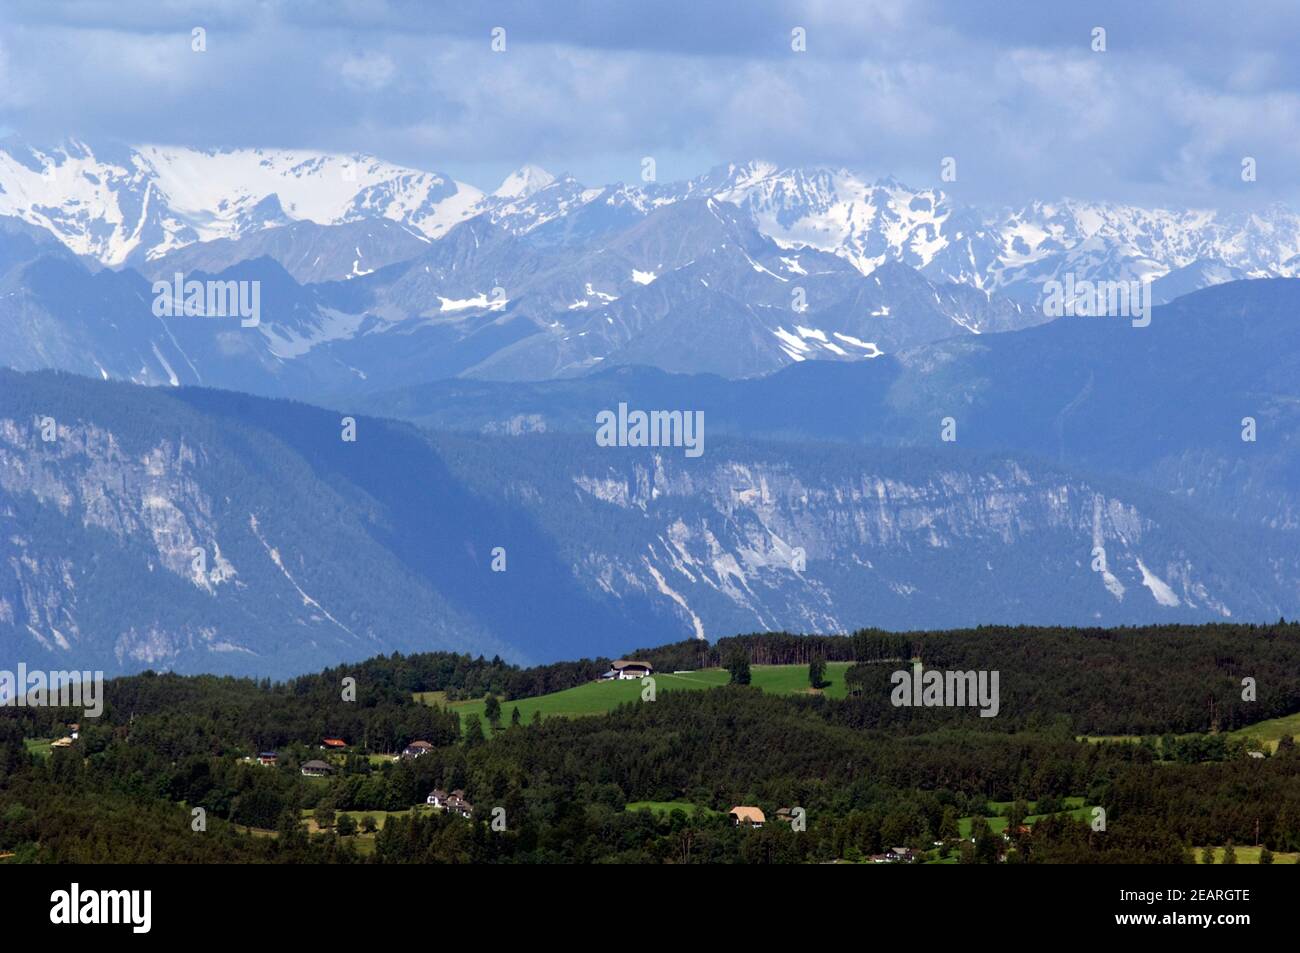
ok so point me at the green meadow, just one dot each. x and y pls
(364, 843)
(1248, 855)
(665, 808)
(998, 822)
(381, 817)
(1268, 733)
(597, 698)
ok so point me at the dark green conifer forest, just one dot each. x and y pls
(168, 773)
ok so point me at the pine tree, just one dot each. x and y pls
(1229, 854)
(473, 731)
(1266, 856)
(738, 666)
(948, 828)
(1207, 855)
(817, 672)
(514, 717)
(986, 842)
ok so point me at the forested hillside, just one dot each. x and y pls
(653, 780)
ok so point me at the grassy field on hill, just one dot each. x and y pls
(1271, 731)
(1268, 733)
(665, 808)
(381, 817)
(596, 698)
(1249, 855)
(998, 821)
(363, 842)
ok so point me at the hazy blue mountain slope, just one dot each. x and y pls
(691, 286)
(311, 253)
(1163, 403)
(896, 537)
(312, 548)
(317, 549)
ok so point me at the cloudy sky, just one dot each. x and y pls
(1013, 91)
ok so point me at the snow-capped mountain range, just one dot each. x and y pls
(374, 273)
(129, 205)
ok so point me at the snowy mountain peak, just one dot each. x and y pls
(524, 182)
(124, 203)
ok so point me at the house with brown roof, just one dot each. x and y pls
(743, 816)
(333, 744)
(454, 802)
(458, 804)
(628, 668)
(317, 769)
(416, 748)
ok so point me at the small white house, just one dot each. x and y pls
(455, 802)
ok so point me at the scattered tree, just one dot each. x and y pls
(948, 825)
(473, 731)
(817, 672)
(987, 843)
(738, 666)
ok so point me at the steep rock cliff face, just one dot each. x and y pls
(207, 531)
(149, 538)
(828, 539)
(151, 502)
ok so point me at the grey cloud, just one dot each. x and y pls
(1010, 89)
